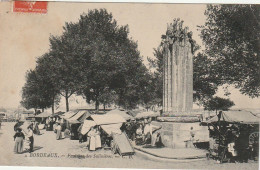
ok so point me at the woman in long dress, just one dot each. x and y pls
(47, 123)
(97, 139)
(92, 139)
(18, 138)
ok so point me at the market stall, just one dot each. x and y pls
(233, 136)
(75, 121)
(110, 125)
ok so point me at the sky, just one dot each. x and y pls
(25, 36)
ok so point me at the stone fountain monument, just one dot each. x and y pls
(177, 117)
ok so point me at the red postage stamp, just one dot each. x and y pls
(30, 6)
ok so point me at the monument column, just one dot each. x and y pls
(178, 70)
(177, 118)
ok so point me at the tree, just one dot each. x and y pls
(44, 69)
(109, 59)
(217, 103)
(157, 80)
(231, 35)
(205, 84)
(33, 93)
(66, 64)
(149, 94)
(2, 109)
(108, 97)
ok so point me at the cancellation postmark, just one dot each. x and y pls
(30, 6)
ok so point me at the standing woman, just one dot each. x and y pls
(31, 139)
(18, 138)
(92, 139)
(47, 123)
(58, 135)
(97, 139)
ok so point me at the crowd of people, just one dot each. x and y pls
(23, 137)
(141, 132)
(148, 134)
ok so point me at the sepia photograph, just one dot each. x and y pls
(129, 85)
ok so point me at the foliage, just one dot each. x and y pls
(217, 103)
(66, 64)
(205, 84)
(44, 70)
(108, 97)
(231, 37)
(2, 109)
(151, 87)
(33, 92)
(110, 60)
(93, 57)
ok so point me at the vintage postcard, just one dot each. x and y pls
(129, 85)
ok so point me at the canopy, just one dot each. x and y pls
(107, 119)
(58, 113)
(112, 128)
(121, 113)
(79, 117)
(147, 114)
(68, 114)
(133, 113)
(244, 117)
(109, 123)
(87, 125)
(43, 114)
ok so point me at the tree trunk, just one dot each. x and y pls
(52, 108)
(67, 101)
(97, 101)
(53, 103)
(97, 105)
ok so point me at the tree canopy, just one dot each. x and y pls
(34, 92)
(112, 62)
(94, 57)
(231, 38)
(217, 103)
(45, 66)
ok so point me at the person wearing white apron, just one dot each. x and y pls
(97, 139)
(92, 139)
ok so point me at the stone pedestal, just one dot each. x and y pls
(177, 135)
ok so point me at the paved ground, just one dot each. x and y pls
(170, 153)
(70, 153)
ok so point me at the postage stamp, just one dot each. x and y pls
(30, 6)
